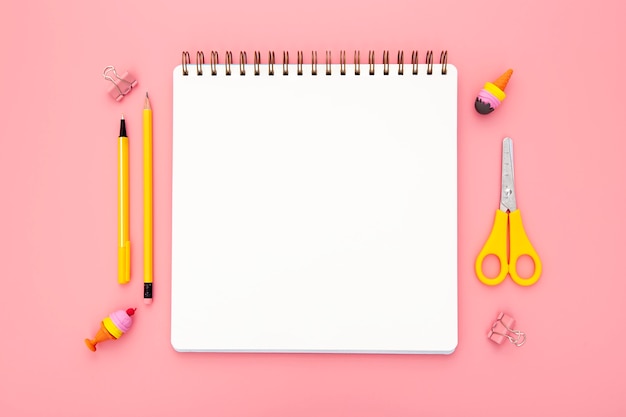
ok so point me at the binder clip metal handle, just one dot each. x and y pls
(121, 85)
(502, 329)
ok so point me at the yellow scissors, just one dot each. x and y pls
(496, 244)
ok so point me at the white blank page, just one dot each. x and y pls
(315, 213)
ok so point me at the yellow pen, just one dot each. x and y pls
(123, 276)
(147, 201)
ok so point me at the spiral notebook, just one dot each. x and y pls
(314, 204)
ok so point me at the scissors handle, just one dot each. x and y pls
(495, 245)
(520, 246)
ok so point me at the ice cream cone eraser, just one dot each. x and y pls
(492, 94)
(112, 327)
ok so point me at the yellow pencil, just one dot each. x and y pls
(147, 202)
(123, 276)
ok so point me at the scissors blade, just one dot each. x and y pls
(507, 196)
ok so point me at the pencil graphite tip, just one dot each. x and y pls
(147, 95)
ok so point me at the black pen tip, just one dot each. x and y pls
(123, 127)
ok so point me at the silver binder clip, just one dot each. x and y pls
(121, 85)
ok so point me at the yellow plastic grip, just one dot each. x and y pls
(495, 245)
(519, 246)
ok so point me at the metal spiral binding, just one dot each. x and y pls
(199, 62)
(229, 61)
(386, 62)
(443, 60)
(257, 62)
(328, 63)
(243, 62)
(271, 62)
(186, 62)
(429, 62)
(214, 61)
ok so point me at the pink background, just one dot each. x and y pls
(58, 256)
